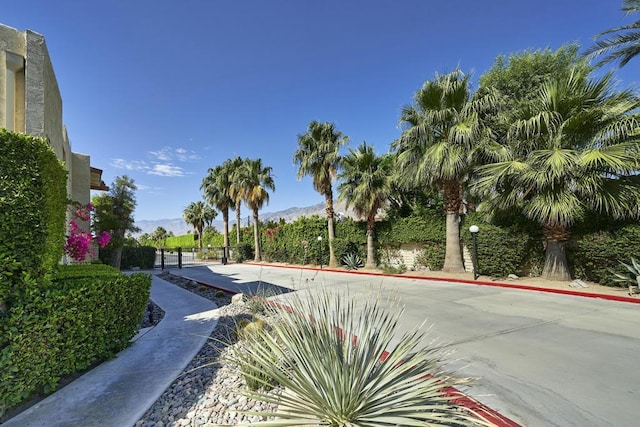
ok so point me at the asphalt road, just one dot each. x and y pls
(541, 359)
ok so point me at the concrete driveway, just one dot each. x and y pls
(540, 359)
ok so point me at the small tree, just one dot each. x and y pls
(365, 184)
(199, 215)
(113, 213)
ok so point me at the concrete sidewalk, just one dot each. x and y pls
(118, 392)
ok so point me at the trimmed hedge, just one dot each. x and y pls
(592, 254)
(143, 257)
(501, 250)
(64, 328)
(33, 201)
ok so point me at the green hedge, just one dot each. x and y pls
(66, 327)
(592, 254)
(143, 257)
(184, 241)
(78, 271)
(33, 202)
(501, 250)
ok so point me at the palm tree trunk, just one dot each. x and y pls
(256, 236)
(453, 253)
(225, 231)
(333, 262)
(556, 266)
(371, 255)
(199, 230)
(238, 223)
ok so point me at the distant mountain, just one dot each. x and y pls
(179, 227)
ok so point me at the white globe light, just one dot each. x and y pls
(474, 229)
(319, 238)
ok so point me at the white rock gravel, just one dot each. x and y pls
(205, 394)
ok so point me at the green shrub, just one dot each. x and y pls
(33, 202)
(243, 252)
(501, 250)
(411, 229)
(132, 256)
(185, 241)
(65, 327)
(330, 379)
(594, 254)
(432, 255)
(79, 271)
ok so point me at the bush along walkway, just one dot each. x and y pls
(119, 391)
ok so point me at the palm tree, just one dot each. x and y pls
(574, 150)
(216, 187)
(442, 134)
(623, 46)
(365, 184)
(199, 215)
(318, 157)
(236, 189)
(256, 181)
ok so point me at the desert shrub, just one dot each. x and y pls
(352, 261)
(352, 375)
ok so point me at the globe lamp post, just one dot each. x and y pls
(474, 234)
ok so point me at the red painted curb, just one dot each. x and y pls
(468, 282)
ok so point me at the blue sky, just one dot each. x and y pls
(162, 90)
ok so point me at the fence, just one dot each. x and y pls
(179, 257)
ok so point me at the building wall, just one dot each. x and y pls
(30, 102)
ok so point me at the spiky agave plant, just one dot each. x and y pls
(633, 280)
(330, 377)
(352, 261)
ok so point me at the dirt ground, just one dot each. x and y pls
(536, 282)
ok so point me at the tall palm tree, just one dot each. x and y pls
(624, 45)
(236, 189)
(365, 184)
(574, 150)
(442, 134)
(318, 157)
(256, 181)
(198, 214)
(216, 187)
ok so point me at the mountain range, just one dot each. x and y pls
(179, 227)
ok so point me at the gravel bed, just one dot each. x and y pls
(205, 394)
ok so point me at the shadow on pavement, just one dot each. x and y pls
(229, 282)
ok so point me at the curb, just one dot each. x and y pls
(468, 282)
(458, 397)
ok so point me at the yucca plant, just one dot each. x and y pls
(352, 261)
(328, 377)
(633, 280)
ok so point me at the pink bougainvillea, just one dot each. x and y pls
(78, 243)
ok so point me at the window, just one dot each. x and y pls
(14, 102)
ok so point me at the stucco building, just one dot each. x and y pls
(30, 102)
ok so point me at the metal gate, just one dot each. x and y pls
(179, 257)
